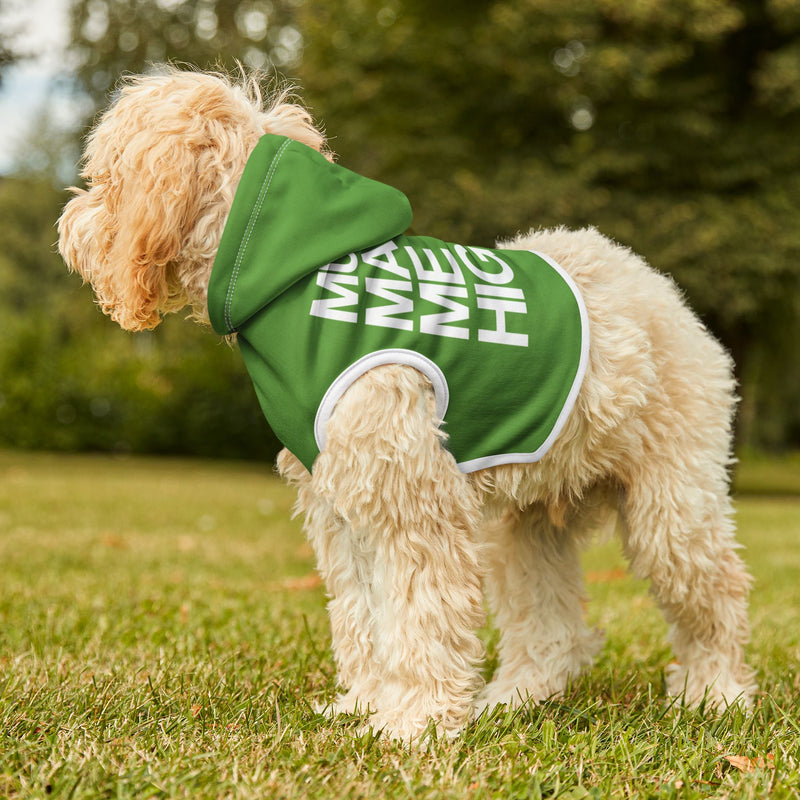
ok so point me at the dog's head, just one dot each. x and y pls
(161, 167)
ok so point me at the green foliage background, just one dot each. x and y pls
(672, 127)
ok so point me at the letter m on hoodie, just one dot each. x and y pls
(333, 307)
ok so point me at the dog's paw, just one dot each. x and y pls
(501, 693)
(408, 730)
(710, 687)
(527, 677)
(348, 703)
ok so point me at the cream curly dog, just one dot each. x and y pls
(406, 540)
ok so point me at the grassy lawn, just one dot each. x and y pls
(162, 634)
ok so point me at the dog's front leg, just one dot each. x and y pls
(393, 525)
(345, 557)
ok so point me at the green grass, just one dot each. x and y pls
(160, 636)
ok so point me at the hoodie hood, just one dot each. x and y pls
(294, 212)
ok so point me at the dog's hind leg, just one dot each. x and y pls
(535, 588)
(402, 565)
(678, 532)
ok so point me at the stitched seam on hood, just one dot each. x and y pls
(266, 183)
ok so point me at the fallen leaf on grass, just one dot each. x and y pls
(114, 541)
(745, 764)
(305, 551)
(310, 581)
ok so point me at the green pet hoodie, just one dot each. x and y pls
(315, 275)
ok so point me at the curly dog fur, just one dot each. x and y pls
(405, 542)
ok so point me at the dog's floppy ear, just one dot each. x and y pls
(152, 196)
(160, 168)
(125, 232)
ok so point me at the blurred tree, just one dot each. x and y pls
(71, 380)
(7, 53)
(6, 58)
(31, 272)
(673, 127)
(112, 37)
